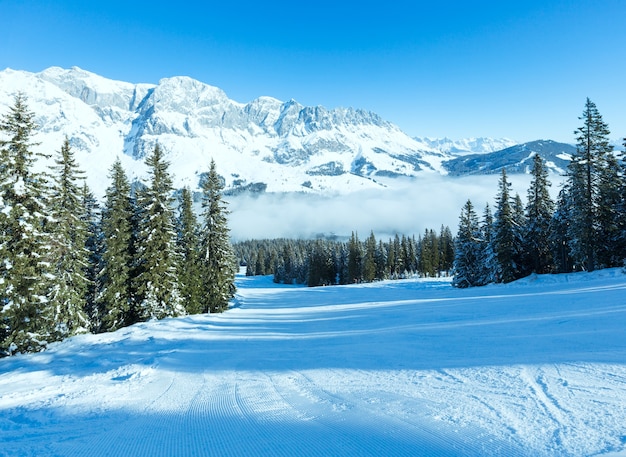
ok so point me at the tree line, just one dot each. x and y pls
(70, 266)
(328, 262)
(583, 230)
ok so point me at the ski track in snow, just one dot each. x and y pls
(534, 368)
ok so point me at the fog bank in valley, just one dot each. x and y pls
(404, 206)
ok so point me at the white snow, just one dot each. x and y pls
(413, 367)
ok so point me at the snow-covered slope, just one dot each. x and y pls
(515, 159)
(467, 145)
(264, 144)
(534, 368)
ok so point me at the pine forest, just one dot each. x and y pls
(70, 265)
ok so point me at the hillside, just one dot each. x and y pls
(515, 159)
(533, 368)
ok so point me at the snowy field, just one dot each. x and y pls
(534, 368)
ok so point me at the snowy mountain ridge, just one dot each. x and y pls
(465, 146)
(265, 145)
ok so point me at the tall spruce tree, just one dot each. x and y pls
(585, 186)
(26, 322)
(94, 245)
(539, 213)
(381, 261)
(521, 258)
(217, 257)
(467, 268)
(156, 283)
(504, 237)
(189, 270)
(487, 260)
(369, 259)
(116, 300)
(68, 254)
(355, 260)
(446, 249)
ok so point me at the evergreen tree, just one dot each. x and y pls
(467, 270)
(397, 267)
(621, 208)
(610, 247)
(446, 249)
(504, 239)
(584, 183)
(116, 300)
(94, 245)
(369, 260)
(355, 260)
(558, 235)
(381, 260)
(189, 267)
(521, 257)
(539, 213)
(157, 267)
(217, 257)
(260, 263)
(26, 322)
(321, 265)
(405, 257)
(487, 262)
(69, 255)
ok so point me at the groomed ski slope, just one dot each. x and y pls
(414, 367)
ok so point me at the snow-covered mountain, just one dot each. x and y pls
(467, 145)
(265, 144)
(515, 159)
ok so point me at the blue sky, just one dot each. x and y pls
(516, 69)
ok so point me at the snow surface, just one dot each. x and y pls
(412, 367)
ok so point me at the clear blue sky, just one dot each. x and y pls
(517, 69)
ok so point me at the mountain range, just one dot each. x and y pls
(264, 145)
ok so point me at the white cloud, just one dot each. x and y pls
(409, 207)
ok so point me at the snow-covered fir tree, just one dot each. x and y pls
(26, 320)
(189, 268)
(521, 258)
(116, 298)
(216, 255)
(156, 281)
(369, 259)
(446, 249)
(355, 260)
(381, 261)
(69, 257)
(504, 236)
(467, 268)
(94, 245)
(611, 183)
(539, 213)
(322, 269)
(487, 262)
(429, 254)
(585, 186)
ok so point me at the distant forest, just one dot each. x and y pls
(327, 262)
